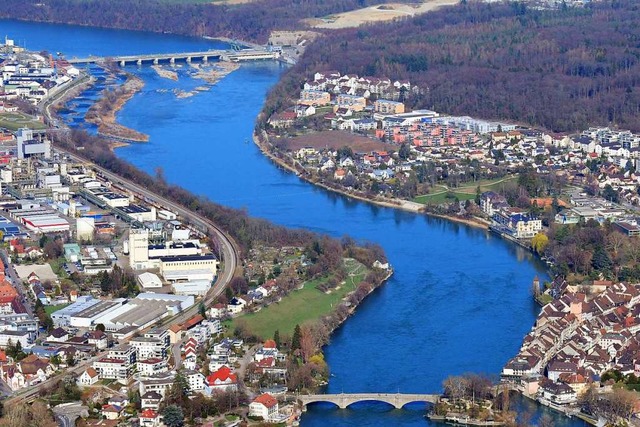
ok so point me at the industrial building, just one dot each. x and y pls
(146, 254)
(30, 147)
(143, 311)
(62, 317)
(196, 288)
(149, 281)
(188, 268)
(87, 317)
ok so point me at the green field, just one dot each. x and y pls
(17, 120)
(53, 308)
(301, 306)
(465, 192)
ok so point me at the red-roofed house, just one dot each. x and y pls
(149, 418)
(192, 322)
(221, 380)
(265, 406)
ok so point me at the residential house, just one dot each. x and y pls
(151, 366)
(149, 418)
(351, 102)
(264, 406)
(195, 380)
(282, 120)
(151, 400)
(113, 368)
(98, 339)
(385, 106)
(221, 380)
(315, 98)
(58, 335)
(558, 393)
(88, 378)
(111, 412)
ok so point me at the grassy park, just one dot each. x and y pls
(442, 194)
(16, 120)
(302, 306)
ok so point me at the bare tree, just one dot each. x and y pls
(455, 387)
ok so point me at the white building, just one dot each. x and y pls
(196, 288)
(188, 268)
(264, 406)
(149, 281)
(151, 366)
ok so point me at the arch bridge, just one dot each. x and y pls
(343, 400)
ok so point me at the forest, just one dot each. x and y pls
(252, 21)
(560, 70)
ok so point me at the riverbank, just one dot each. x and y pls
(103, 113)
(405, 205)
(57, 100)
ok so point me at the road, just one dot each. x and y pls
(228, 248)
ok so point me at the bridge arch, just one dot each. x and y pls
(345, 400)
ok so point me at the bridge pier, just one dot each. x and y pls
(122, 63)
(139, 62)
(155, 61)
(205, 59)
(172, 60)
(188, 60)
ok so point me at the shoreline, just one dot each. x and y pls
(103, 114)
(403, 205)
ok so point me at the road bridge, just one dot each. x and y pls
(343, 400)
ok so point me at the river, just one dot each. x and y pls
(460, 297)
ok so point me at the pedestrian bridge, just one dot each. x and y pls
(343, 400)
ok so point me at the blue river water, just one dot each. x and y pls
(459, 300)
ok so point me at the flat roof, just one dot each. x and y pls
(179, 258)
(135, 209)
(101, 307)
(112, 196)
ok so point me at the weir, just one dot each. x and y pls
(187, 57)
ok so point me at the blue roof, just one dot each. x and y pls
(41, 351)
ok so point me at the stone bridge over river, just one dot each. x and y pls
(342, 400)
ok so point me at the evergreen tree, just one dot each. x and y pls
(177, 393)
(555, 205)
(478, 194)
(296, 340)
(173, 416)
(202, 309)
(601, 260)
(276, 337)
